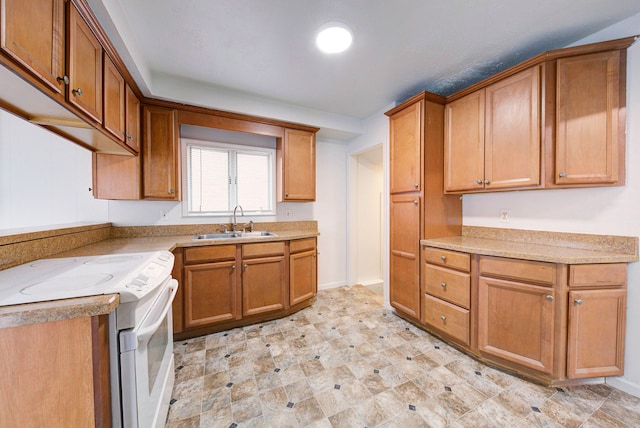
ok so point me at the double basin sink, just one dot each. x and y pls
(228, 235)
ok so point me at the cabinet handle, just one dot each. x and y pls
(233, 267)
(171, 191)
(562, 174)
(443, 318)
(77, 92)
(314, 254)
(415, 185)
(444, 258)
(443, 284)
(486, 181)
(63, 79)
(245, 266)
(578, 301)
(286, 194)
(478, 181)
(549, 297)
(415, 202)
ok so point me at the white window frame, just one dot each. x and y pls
(238, 148)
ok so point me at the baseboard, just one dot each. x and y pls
(624, 385)
(329, 285)
(373, 282)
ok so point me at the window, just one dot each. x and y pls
(221, 176)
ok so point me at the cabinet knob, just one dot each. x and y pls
(63, 79)
(245, 266)
(415, 202)
(171, 191)
(562, 174)
(478, 181)
(415, 185)
(77, 92)
(486, 181)
(314, 254)
(286, 194)
(444, 258)
(549, 297)
(443, 284)
(233, 267)
(578, 301)
(443, 318)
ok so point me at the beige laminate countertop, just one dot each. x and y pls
(33, 313)
(171, 242)
(542, 246)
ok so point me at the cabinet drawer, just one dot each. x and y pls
(598, 275)
(213, 253)
(445, 317)
(263, 249)
(447, 284)
(300, 245)
(520, 270)
(451, 259)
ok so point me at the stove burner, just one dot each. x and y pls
(66, 284)
(48, 263)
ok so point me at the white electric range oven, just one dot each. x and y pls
(140, 329)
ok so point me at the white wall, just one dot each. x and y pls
(375, 132)
(44, 179)
(606, 211)
(329, 210)
(368, 200)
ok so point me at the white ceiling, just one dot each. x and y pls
(264, 49)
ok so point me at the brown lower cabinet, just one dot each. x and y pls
(230, 285)
(66, 383)
(550, 322)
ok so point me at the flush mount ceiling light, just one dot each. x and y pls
(334, 37)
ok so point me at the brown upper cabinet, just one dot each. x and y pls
(556, 120)
(84, 66)
(161, 154)
(590, 127)
(296, 166)
(33, 35)
(405, 149)
(114, 100)
(492, 136)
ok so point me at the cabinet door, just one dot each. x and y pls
(264, 283)
(405, 260)
(512, 131)
(297, 166)
(596, 333)
(132, 121)
(161, 154)
(587, 119)
(114, 100)
(116, 177)
(303, 279)
(516, 322)
(210, 294)
(33, 34)
(84, 66)
(464, 143)
(406, 147)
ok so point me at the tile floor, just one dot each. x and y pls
(348, 362)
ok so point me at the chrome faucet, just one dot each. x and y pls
(235, 223)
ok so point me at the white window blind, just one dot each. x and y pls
(219, 177)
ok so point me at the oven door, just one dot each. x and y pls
(146, 364)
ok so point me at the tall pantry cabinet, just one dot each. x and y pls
(419, 209)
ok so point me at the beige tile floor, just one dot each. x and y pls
(348, 362)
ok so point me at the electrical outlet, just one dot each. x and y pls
(505, 216)
(164, 215)
(289, 213)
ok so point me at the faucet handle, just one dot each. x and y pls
(250, 225)
(226, 229)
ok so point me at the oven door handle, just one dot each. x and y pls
(145, 334)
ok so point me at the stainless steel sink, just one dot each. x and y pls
(229, 235)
